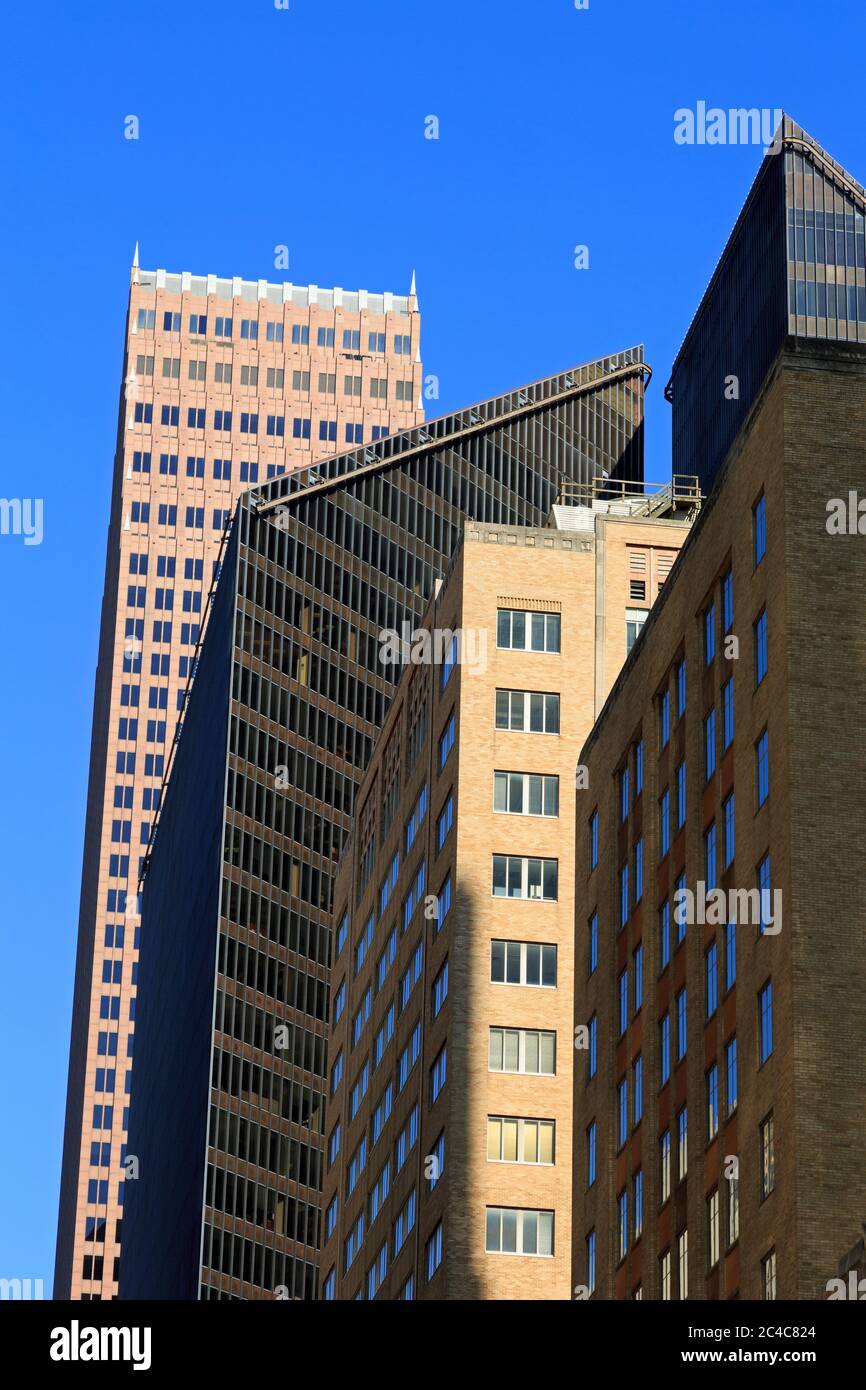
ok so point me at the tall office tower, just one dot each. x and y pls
(719, 1107)
(227, 383)
(227, 1107)
(448, 1126)
(794, 267)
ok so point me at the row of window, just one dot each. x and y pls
(224, 325)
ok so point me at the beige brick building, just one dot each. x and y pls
(719, 1107)
(226, 383)
(448, 1127)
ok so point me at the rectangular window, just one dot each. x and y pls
(522, 963)
(446, 741)
(727, 602)
(681, 688)
(525, 794)
(761, 647)
(665, 933)
(591, 1153)
(768, 1277)
(526, 1051)
(731, 1083)
(682, 1030)
(710, 635)
(519, 1141)
(527, 631)
(768, 1156)
(730, 954)
(711, 959)
(728, 713)
(664, 823)
(665, 1048)
(682, 1143)
(623, 794)
(762, 768)
(710, 857)
(593, 942)
(681, 795)
(729, 821)
(516, 876)
(664, 719)
(713, 1228)
(665, 1166)
(765, 1022)
(712, 1102)
(593, 840)
(512, 1231)
(710, 744)
(764, 900)
(527, 711)
(759, 529)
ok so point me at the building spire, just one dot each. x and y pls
(133, 274)
(413, 291)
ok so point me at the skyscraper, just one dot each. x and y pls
(289, 697)
(227, 382)
(794, 266)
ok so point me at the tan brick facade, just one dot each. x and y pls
(803, 444)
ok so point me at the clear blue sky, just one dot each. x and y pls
(306, 127)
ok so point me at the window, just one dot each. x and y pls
(665, 933)
(710, 856)
(713, 1228)
(728, 713)
(512, 1231)
(637, 1187)
(516, 876)
(681, 688)
(622, 1225)
(440, 990)
(443, 903)
(433, 1252)
(665, 1276)
(637, 964)
(634, 621)
(712, 1102)
(733, 1210)
(664, 719)
(446, 741)
(638, 768)
(727, 602)
(731, 1088)
(351, 339)
(764, 901)
(438, 1074)
(521, 630)
(637, 1089)
(593, 1046)
(682, 1143)
(522, 1050)
(768, 1156)
(761, 647)
(710, 744)
(527, 711)
(680, 776)
(623, 895)
(712, 980)
(759, 529)
(710, 634)
(444, 821)
(593, 840)
(768, 1276)
(665, 1048)
(623, 794)
(730, 954)
(525, 794)
(762, 768)
(665, 1166)
(593, 942)
(765, 1022)
(522, 963)
(664, 823)
(405, 1222)
(591, 1153)
(590, 1262)
(416, 819)
(519, 1141)
(730, 843)
(622, 991)
(682, 1031)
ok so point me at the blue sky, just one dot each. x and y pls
(305, 127)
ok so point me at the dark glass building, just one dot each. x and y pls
(229, 1077)
(794, 267)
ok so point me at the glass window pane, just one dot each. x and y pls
(530, 1141)
(500, 791)
(545, 1233)
(512, 973)
(517, 703)
(494, 1223)
(509, 1141)
(534, 879)
(551, 796)
(515, 793)
(512, 1050)
(530, 1233)
(499, 862)
(552, 713)
(536, 713)
(548, 965)
(550, 878)
(515, 877)
(518, 631)
(548, 1053)
(533, 964)
(509, 1232)
(493, 1141)
(502, 709)
(497, 962)
(553, 632)
(503, 628)
(535, 806)
(531, 1060)
(545, 1147)
(537, 631)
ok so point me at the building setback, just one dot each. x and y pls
(449, 1116)
(720, 1095)
(227, 382)
(288, 701)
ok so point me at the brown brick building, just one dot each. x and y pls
(719, 1102)
(448, 1127)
